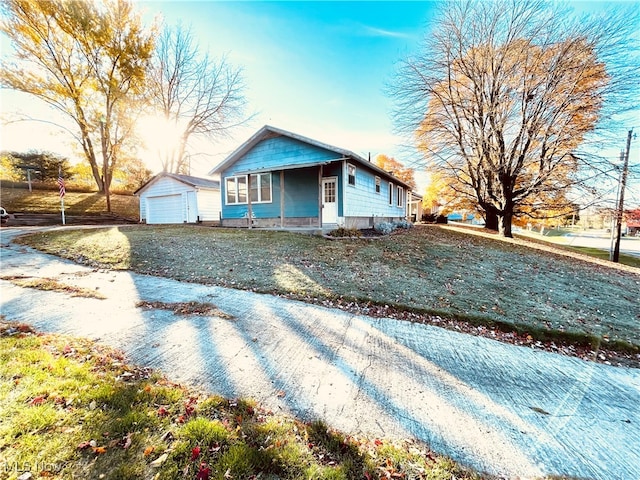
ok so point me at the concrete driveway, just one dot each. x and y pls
(510, 411)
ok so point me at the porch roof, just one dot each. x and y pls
(290, 167)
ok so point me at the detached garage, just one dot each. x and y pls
(173, 198)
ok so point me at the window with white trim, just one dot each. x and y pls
(261, 188)
(236, 189)
(377, 184)
(400, 195)
(351, 174)
(390, 193)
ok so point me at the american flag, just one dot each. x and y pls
(61, 183)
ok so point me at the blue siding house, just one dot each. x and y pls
(281, 179)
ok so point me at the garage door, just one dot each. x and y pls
(165, 209)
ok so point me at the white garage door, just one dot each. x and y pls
(165, 209)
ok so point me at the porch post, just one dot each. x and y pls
(281, 198)
(320, 197)
(249, 212)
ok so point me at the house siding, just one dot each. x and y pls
(301, 186)
(209, 205)
(300, 192)
(272, 153)
(362, 201)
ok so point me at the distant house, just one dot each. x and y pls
(173, 198)
(281, 179)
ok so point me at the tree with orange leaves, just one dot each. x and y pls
(504, 93)
(396, 169)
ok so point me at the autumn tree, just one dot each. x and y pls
(196, 95)
(397, 169)
(503, 94)
(43, 165)
(86, 59)
(438, 197)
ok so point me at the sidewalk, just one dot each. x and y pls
(510, 411)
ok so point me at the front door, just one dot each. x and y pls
(329, 200)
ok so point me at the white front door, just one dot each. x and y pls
(329, 200)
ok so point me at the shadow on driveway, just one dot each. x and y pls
(501, 409)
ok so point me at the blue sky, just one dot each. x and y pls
(315, 68)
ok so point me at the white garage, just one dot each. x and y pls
(172, 198)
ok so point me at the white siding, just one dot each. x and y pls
(209, 206)
(362, 200)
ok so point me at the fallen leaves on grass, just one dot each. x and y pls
(238, 424)
(204, 472)
(50, 284)
(195, 453)
(187, 308)
(157, 463)
(8, 329)
(39, 400)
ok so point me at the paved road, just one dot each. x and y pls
(628, 245)
(592, 239)
(510, 411)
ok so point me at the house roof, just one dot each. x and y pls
(268, 131)
(186, 179)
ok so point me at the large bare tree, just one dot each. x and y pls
(86, 59)
(195, 94)
(502, 95)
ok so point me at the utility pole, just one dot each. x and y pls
(620, 210)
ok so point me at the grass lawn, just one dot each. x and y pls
(73, 409)
(428, 269)
(20, 200)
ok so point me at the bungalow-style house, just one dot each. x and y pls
(173, 198)
(281, 179)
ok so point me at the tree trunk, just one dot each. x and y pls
(491, 220)
(504, 223)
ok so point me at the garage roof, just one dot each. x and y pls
(186, 179)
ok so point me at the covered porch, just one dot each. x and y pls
(305, 197)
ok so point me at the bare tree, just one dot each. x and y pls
(88, 61)
(197, 95)
(503, 95)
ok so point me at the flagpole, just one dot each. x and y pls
(62, 205)
(62, 192)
